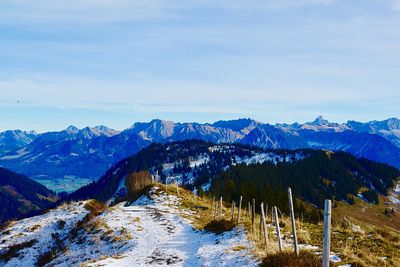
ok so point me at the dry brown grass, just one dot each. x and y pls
(368, 214)
(33, 228)
(219, 227)
(95, 208)
(304, 259)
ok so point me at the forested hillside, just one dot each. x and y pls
(21, 196)
(156, 157)
(234, 170)
(322, 175)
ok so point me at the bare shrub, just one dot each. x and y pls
(218, 227)
(136, 181)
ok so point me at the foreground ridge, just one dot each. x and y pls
(153, 230)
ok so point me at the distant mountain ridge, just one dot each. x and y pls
(89, 152)
(14, 139)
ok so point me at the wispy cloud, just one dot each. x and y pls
(106, 11)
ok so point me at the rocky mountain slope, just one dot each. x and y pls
(14, 140)
(389, 129)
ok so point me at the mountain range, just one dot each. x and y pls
(89, 152)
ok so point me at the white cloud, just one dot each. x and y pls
(396, 4)
(106, 11)
(167, 95)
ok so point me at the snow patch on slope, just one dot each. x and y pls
(270, 157)
(395, 196)
(41, 230)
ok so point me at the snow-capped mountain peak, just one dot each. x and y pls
(321, 124)
(71, 129)
(96, 131)
(320, 121)
(154, 130)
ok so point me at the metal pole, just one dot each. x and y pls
(327, 233)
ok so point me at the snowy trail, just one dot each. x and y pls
(161, 237)
(152, 231)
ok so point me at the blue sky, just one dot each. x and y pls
(115, 62)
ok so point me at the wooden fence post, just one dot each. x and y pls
(215, 210)
(327, 233)
(296, 247)
(261, 227)
(220, 208)
(264, 225)
(278, 229)
(233, 210)
(253, 215)
(239, 210)
(249, 207)
(212, 207)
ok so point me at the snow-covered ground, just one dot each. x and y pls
(395, 196)
(39, 231)
(200, 160)
(160, 236)
(149, 232)
(270, 157)
(204, 159)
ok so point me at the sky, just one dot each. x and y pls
(115, 62)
